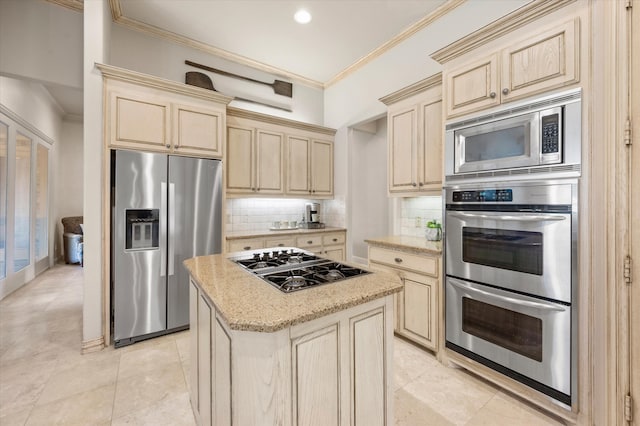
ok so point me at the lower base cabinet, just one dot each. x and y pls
(334, 370)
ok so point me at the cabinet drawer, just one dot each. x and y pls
(398, 259)
(280, 242)
(245, 244)
(309, 241)
(332, 239)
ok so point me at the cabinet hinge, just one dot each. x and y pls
(627, 270)
(627, 132)
(628, 408)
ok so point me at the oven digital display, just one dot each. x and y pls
(487, 195)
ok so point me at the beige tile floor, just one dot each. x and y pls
(45, 381)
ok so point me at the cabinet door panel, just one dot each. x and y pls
(334, 253)
(472, 87)
(417, 320)
(541, 63)
(431, 158)
(403, 139)
(222, 412)
(193, 338)
(204, 361)
(269, 169)
(239, 169)
(198, 131)
(321, 168)
(139, 123)
(316, 392)
(298, 159)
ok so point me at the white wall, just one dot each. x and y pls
(68, 186)
(368, 202)
(41, 41)
(156, 56)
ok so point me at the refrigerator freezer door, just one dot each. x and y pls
(139, 287)
(195, 225)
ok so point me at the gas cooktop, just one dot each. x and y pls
(291, 269)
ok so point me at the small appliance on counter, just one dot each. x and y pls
(311, 219)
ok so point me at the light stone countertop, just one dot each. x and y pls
(418, 245)
(281, 232)
(248, 303)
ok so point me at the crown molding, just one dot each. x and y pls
(122, 74)
(413, 89)
(243, 113)
(413, 29)
(25, 124)
(516, 19)
(77, 5)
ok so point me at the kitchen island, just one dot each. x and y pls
(319, 356)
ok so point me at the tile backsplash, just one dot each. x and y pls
(258, 214)
(419, 210)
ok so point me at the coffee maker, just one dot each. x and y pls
(312, 216)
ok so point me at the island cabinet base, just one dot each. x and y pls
(334, 370)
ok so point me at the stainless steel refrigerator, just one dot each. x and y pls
(165, 209)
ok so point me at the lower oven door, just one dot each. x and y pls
(526, 252)
(526, 338)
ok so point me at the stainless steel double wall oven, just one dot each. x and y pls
(511, 243)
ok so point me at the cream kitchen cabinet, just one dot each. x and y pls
(288, 158)
(152, 114)
(417, 305)
(525, 66)
(254, 161)
(309, 167)
(415, 129)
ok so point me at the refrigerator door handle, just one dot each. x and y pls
(163, 229)
(172, 227)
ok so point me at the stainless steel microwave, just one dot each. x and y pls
(526, 139)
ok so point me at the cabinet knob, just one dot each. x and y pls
(398, 260)
(420, 184)
(492, 95)
(335, 239)
(168, 145)
(309, 242)
(281, 245)
(505, 91)
(313, 191)
(414, 184)
(247, 248)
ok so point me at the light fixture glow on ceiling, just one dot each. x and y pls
(302, 17)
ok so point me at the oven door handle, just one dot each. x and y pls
(523, 218)
(528, 303)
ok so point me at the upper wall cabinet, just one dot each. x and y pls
(530, 65)
(415, 129)
(270, 156)
(152, 114)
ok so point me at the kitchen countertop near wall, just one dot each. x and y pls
(407, 243)
(269, 233)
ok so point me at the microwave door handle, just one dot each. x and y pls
(537, 305)
(507, 218)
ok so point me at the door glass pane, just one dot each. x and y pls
(511, 330)
(519, 251)
(42, 193)
(23, 202)
(4, 133)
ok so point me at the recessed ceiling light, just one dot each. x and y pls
(302, 17)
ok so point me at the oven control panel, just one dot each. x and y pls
(487, 195)
(550, 134)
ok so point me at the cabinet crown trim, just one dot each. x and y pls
(265, 118)
(116, 73)
(412, 89)
(508, 23)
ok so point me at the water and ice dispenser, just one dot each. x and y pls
(142, 229)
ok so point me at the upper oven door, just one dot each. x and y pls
(507, 143)
(526, 252)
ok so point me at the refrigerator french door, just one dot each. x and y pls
(165, 209)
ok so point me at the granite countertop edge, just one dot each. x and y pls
(417, 245)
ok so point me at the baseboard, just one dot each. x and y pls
(93, 345)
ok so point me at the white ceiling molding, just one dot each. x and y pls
(77, 5)
(25, 124)
(431, 17)
(119, 18)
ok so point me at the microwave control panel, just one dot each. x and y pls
(488, 195)
(551, 134)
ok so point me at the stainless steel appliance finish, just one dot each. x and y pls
(511, 273)
(290, 269)
(525, 140)
(165, 209)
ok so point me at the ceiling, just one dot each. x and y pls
(342, 35)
